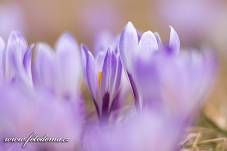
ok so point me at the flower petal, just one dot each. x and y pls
(16, 48)
(116, 90)
(146, 81)
(174, 41)
(66, 42)
(158, 38)
(106, 73)
(128, 45)
(89, 72)
(69, 64)
(27, 60)
(99, 60)
(44, 74)
(147, 45)
(118, 75)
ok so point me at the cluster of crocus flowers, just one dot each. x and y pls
(42, 93)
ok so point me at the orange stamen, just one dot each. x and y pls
(99, 78)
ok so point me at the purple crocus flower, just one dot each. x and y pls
(147, 60)
(58, 71)
(23, 112)
(142, 47)
(103, 76)
(175, 83)
(169, 84)
(103, 42)
(15, 60)
(25, 109)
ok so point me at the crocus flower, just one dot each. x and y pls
(15, 60)
(161, 74)
(26, 109)
(157, 74)
(169, 85)
(142, 47)
(103, 42)
(103, 76)
(58, 71)
(23, 112)
(176, 83)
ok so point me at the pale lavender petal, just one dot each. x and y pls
(146, 81)
(69, 64)
(128, 45)
(89, 71)
(174, 41)
(189, 71)
(66, 42)
(124, 85)
(13, 57)
(147, 45)
(44, 75)
(99, 60)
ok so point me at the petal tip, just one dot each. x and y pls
(130, 27)
(16, 35)
(67, 36)
(174, 41)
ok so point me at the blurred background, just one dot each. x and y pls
(199, 23)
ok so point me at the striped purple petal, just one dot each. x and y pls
(89, 71)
